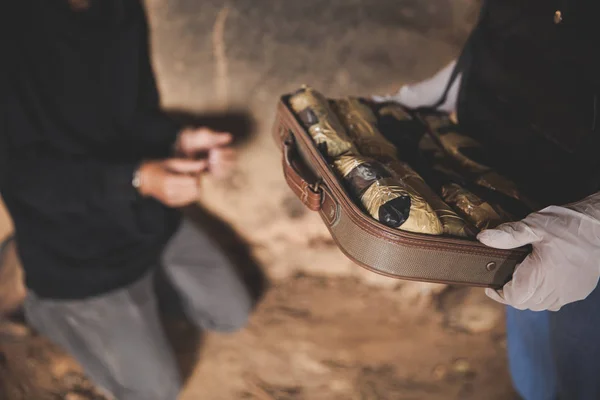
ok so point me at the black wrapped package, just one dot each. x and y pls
(384, 195)
(431, 214)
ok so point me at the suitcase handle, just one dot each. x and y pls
(309, 194)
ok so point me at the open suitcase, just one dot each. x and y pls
(371, 244)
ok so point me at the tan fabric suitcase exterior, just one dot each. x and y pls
(372, 245)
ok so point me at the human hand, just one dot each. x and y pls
(221, 158)
(194, 141)
(173, 182)
(564, 266)
(221, 162)
(428, 92)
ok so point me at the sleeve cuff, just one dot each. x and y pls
(118, 181)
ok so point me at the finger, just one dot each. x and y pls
(546, 304)
(495, 295)
(525, 283)
(178, 184)
(222, 161)
(204, 139)
(222, 155)
(508, 236)
(223, 152)
(184, 182)
(556, 306)
(182, 190)
(185, 166)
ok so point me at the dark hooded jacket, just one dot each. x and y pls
(79, 112)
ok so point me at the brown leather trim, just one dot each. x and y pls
(403, 278)
(329, 209)
(472, 273)
(311, 198)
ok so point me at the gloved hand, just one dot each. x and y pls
(428, 92)
(564, 266)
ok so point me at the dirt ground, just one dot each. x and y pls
(324, 329)
(312, 339)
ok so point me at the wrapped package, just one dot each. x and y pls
(451, 222)
(452, 143)
(430, 213)
(361, 126)
(494, 181)
(477, 211)
(386, 198)
(323, 125)
(396, 111)
(359, 172)
(445, 133)
(383, 196)
(367, 184)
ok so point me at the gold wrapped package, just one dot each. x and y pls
(361, 126)
(452, 223)
(396, 111)
(384, 197)
(323, 125)
(453, 143)
(430, 213)
(479, 212)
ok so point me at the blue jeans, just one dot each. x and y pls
(556, 355)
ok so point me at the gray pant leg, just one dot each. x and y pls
(117, 338)
(213, 294)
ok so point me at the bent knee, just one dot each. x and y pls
(234, 324)
(228, 319)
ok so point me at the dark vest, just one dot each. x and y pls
(530, 93)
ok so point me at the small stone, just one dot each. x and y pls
(63, 367)
(461, 366)
(477, 318)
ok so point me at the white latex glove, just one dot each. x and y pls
(564, 266)
(428, 92)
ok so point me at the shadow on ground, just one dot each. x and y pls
(184, 336)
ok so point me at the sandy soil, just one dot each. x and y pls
(315, 339)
